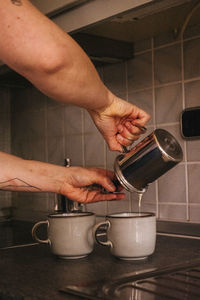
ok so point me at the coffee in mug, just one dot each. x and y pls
(130, 236)
(69, 234)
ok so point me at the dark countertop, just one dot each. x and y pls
(32, 272)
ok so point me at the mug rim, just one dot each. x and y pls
(71, 215)
(130, 215)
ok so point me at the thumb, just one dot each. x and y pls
(113, 144)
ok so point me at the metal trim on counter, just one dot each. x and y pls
(175, 228)
(161, 290)
(110, 290)
(178, 228)
(19, 246)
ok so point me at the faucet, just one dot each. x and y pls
(64, 204)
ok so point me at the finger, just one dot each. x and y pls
(106, 172)
(144, 117)
(132, 133)
(114, 179)
(95, 196)
(113, 144)
(111, 196)
(105, 179)
(141, 115)
(142, 128)
(134, 128)
(124, 141)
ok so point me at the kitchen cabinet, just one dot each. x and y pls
(122, 22)
(95, 22)
(95, 11)
(77, 15)
(55, 6)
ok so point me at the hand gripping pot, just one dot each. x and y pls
(147, 161)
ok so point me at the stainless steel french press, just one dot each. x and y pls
(147, 161)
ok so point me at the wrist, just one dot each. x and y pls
(104, 105)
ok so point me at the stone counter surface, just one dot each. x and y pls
(32, 272)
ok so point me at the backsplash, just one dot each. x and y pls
(5, 140)
(163, 79)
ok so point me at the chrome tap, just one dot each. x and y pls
(64, 204)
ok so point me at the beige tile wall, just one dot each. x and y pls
(5, 134)
(163, 79)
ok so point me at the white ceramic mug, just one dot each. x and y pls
(129, 235)
(69, 234)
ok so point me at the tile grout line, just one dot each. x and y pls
(105, 164)
(83, 136)
(191, 79)
(127, 99)
(105, 203)
(46, 148)
(9, 115)
(166, 84)
(126, 80)
(167, 44)
(174, 203)
(178, 204)
(167, 124)
(105, 147)
(64, 132)
(46, 129)
(83, 148)
(154, 116)
(184, 143)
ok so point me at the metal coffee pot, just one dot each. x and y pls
(147, 161)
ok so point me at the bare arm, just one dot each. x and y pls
(38, 49)
(35, 47)
(75, 182)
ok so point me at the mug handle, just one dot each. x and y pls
(95, 235)
(34, 235)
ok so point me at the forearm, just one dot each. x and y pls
(17, 174)
(38, 49)
(76, 183)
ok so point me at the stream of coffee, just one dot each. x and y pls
(140, 195)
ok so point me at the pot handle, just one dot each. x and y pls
(95, 234)
(34, 229)
(143, 130)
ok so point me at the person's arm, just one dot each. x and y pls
(34, 46)
(77, 183)
(38, 49)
